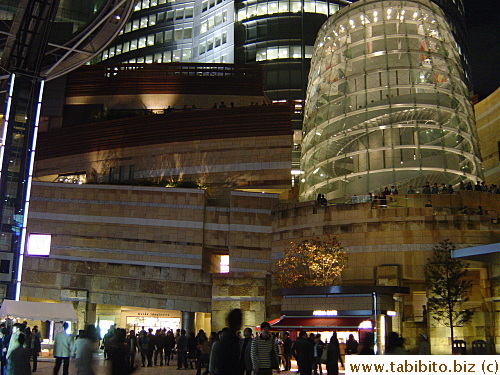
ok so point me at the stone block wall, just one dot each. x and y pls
(390, 246)
(238, 291)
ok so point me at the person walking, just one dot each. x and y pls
(36, 346)
(264, 352)
(318, 352)
(302, 350)
(287, 350)
(351, 346)
(17, 329)
(63, 345)
(132, 345)
(228, 355)
(19, 360)
(182, 347)
(169, 346)
(118, 353)
(333, 356)
(84, 351)
(245, 352)
(143, 346)
(4, 344)
(204, 350)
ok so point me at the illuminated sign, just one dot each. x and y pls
(325, 312)
(39, 244)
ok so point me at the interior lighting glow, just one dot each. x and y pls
(224, 264)
(365, 325)
(391, 313)
(39, 244)
(415, 15)
(325, 312)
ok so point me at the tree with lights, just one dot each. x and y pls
(311, 263)
(447, 287)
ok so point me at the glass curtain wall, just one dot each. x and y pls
(387, 103)
(164, 31)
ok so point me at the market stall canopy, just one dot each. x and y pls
(38, 311)
(286, 323)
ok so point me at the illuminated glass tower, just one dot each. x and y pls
(387, 102)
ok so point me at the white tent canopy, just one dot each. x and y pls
(38, 311)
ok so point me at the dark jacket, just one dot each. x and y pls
(303, 351)
(228, 356)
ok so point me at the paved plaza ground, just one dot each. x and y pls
(46, 365)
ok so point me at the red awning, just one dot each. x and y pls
(286, 323)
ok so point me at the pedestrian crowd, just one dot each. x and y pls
(226, 352)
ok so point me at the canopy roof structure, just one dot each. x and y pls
(38, 311)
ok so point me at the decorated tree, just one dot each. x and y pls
(447, 287)
(311, 263)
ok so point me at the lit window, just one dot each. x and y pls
(152, 20)
(309, 6)
(283, 52)
(186, 54)
(144, 22)
(295, 51)
(39, 245)
(204, 27)
(145, 4)
(177, 56)
(128, 27)
(135, 25)
(224, 263)
(142, 42)
(167, 56)
(283, 7)
(241, 14)
(261, 54)
(273, 7)
(296, 6)
(151, 40)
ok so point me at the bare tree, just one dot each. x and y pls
(447, 287)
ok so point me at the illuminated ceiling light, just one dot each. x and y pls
(325, 312)
(391, 313)
(415, 15)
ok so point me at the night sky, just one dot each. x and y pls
(483, 20)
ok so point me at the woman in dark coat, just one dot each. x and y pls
(118, 353)
(333, 356)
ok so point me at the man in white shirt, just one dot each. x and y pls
(63, 346)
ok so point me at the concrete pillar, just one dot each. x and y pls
(187, 321)
(91, 316)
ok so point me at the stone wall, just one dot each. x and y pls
(390, 246)
(142, 246)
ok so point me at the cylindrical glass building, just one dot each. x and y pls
(387, 103)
